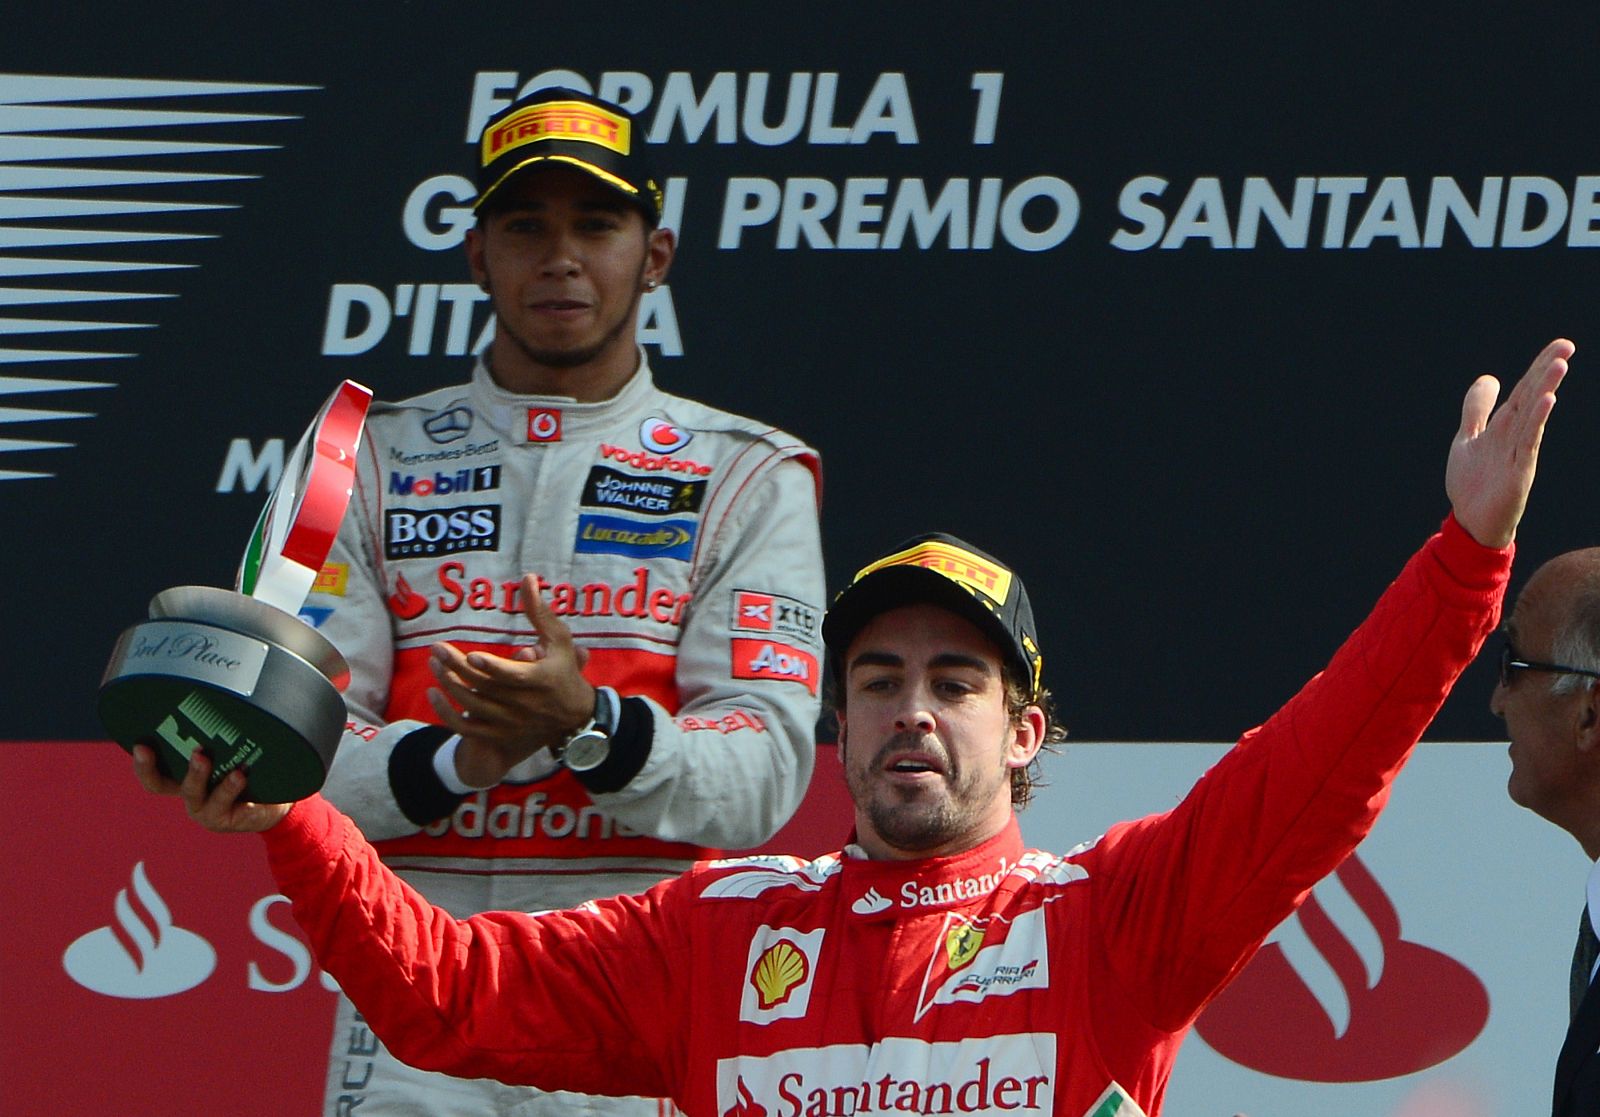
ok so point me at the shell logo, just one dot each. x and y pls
(778, 971)
(149, 958)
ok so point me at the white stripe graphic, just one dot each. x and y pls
(22, 89)
(61, 325)
(55, 238)
(31, 296)
(50, 119)
(85, 207)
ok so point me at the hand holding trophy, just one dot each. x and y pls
(237, 673)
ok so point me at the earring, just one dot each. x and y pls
(649, 285)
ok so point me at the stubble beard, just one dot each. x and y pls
(575, 358)
(917, 825)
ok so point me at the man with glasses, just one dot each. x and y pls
(1548, 697)
(935, 965)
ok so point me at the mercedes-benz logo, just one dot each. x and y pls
(449, 425)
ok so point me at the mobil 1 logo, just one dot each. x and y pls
(443, 484)
(411, 532)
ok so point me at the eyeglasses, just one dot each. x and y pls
(1510, 663)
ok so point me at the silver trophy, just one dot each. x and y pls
(237, 673)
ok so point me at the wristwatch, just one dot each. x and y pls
(587, 747)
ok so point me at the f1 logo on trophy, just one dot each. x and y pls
(237, 673)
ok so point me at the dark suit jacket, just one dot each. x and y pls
(1578, 1068)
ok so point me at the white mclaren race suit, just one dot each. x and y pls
(680, 544)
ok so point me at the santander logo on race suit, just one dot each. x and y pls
(1006, 1073)
(1336, 1013)
(145, 955)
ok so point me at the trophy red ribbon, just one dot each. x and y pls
(238, 674)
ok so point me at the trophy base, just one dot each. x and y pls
(242, 697)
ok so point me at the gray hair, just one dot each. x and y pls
(1577, 643)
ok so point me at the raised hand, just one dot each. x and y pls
(506, 708)
(1496, 452)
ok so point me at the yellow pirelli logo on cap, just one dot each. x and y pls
(557, 120)
(994, 582)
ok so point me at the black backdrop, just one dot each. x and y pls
(1205, 460)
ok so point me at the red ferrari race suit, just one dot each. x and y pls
(678, 542)
(997, 980)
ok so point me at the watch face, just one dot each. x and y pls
(587, 750)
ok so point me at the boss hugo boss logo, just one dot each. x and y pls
(410, 532)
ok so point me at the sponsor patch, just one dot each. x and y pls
(918, 894)
(757, 611)
(731, 723)
(409, 532)
(651, 496)
(654, 463)
(479, 479)
(459, 589)
(405, 602)
(557, 120)
(1008, 1073)
(333, 578)
(315, 615)
(768, 659)
(448, 425)
(419, 457)
(978, 958)
(612, 535)
(544, 424)
(663, 436)
(779, 974)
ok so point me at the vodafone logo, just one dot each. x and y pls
(544, 424)
(663, 436)
(150, 958)
(1332, 1012)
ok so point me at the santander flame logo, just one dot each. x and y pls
(1353, 1003)
(144, 956)
(746, 1106)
